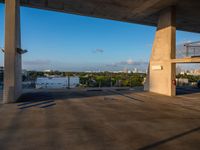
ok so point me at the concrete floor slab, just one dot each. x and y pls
(100, 120)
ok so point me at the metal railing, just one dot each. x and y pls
(190, 49)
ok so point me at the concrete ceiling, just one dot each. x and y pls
(134, 11)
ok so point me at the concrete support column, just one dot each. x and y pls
(161, 71)
(12, 60)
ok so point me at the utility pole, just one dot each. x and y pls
(68, 77)
(111, 80)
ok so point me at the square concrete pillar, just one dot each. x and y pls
(161, 70)
(12, 59)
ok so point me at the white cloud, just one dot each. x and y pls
(98, 50)
(130, 62)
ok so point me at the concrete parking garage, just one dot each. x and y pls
(104, 119)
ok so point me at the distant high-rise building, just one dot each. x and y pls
(135, 70)
(194, 72)
(125, 70)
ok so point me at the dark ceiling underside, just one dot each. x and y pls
(134, 11)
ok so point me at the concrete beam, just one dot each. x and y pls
(144, 10)
(162, 71)
(186, 60)
(134, 11)
(12, 60)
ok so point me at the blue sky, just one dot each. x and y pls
(68, 42)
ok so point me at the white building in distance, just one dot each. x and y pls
(57, 82)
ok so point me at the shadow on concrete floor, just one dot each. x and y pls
(42, 100)
(187, 90)
(156, 144)
(47, 99)
(67, 94)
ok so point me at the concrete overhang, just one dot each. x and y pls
(144, 12)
